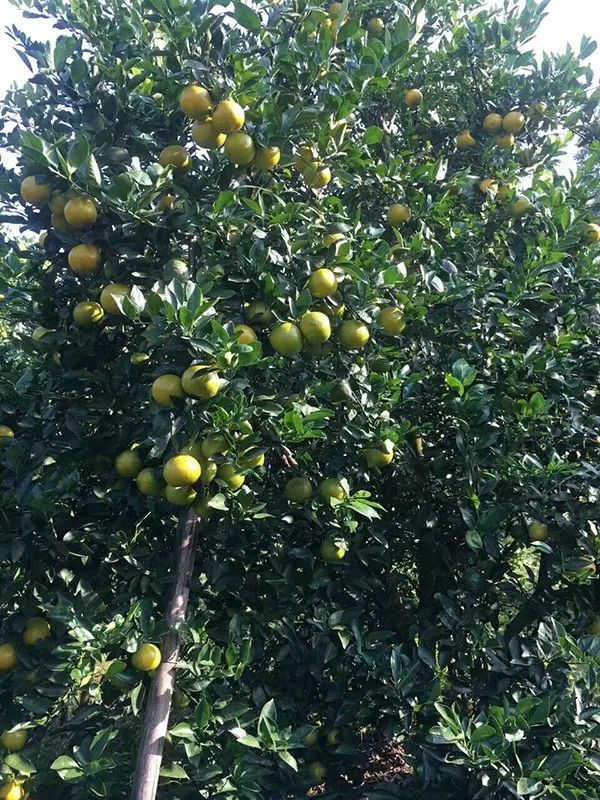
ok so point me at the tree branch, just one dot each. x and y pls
(158, 703)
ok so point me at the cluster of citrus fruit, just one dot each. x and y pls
(69, 213)
(79, 213)
(37, 630)
(505, 128)
(188, 473)
(313, 331)
(218, 125)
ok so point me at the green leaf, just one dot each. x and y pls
(455, 383)
(182, 731)
(93, 175)
(481, 733)
(246, 17)
(64, 762)
(202, 714)
(464, 373)
(373, 135)
(173, 771)
(78, 153)
(288, 759)
(20, 764)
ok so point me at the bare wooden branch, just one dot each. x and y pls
(158, 702)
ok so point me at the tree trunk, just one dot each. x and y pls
(158, 702)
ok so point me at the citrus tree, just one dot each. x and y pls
(313, 277)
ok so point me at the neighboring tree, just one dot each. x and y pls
(393, 307)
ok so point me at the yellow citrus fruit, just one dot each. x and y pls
(239, 148)
(330, 239)
(182, 470)
(538, 531)
(398, 214)
(504, 192)
(537, 110)
(259, 314)
(465, 140)
(353, 334)
(311, 738)
(298, 490)
(42, 238)
(5, 433)
(199, 382)
(332, 552)
(149, 482)
(35, 190)
(591, 233)
(80, 213)
(267, 158)
(214, 443)
(252, 458)
(594, 628)
(87, 313)
(391, 320)
(36, 630)
(513, 122)
(108, 295)
(228, 117)
(146, 657)
(195, 101)
(166, 202)
(228, 473)
(334, 737)
(286, 339)
(204, 134)
(506, 141)
(245, 334)
(304, 156)
(128, 464)
(12, 791)
(209, 469)
(488, 185)
(180, 495)
(378, 456)
(315, 327)
(8, 657)
(165, 388)
(317, 175)
(59, 223)
(492, 123)
(331, 487)
(376, 27)
(520, 206)
(176, 156)
(14, 740)
(85, 259)
(139, 358)
(413, 98)
(317, 769)
(194, 450)
(322, 283)
(57, 202)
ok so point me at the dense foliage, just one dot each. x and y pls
(440, 592)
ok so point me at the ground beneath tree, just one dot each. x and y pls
(384, 768)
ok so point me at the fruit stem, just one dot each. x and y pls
(158, 703)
